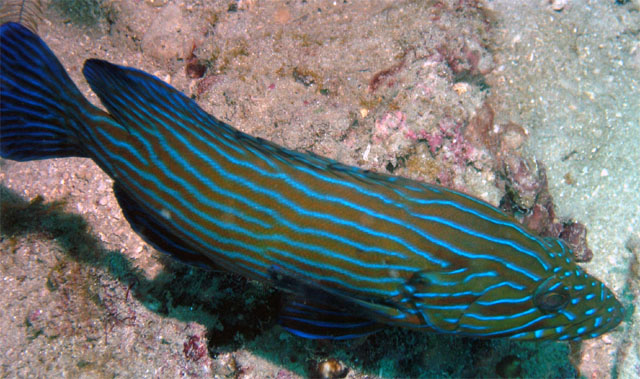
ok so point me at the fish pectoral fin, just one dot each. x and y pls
(506, 312)
(425, 281)
(316, 319)
(157, 234)
(436, 300)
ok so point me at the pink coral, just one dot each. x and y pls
(388, 124)
(194, 349)
(450, 141)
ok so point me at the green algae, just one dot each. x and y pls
(83, 12)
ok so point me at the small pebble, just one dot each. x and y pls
(195, 69)
(331, 369)
(157, 3)
(558, 5)
(282, 16)
(461, 88)
(509, 367)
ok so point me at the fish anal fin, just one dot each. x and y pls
(158, 234)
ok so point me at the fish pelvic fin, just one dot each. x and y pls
(324, 318)
(41, 110)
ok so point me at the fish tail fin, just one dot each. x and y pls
(40, 107)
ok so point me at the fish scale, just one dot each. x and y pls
(356, 250)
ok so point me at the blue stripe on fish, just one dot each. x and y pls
(355, 249)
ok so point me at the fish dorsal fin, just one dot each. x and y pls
(141, 101)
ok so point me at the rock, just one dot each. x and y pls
(168, 35)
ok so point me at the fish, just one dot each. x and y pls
(355, 251)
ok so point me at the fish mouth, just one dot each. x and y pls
(603, 320)
(562, 325)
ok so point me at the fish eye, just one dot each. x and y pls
(552, 300)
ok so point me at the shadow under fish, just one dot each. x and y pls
(356, 250)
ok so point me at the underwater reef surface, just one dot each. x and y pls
(534, 105)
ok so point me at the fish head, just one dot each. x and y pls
(566, 303)
(576, 306)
